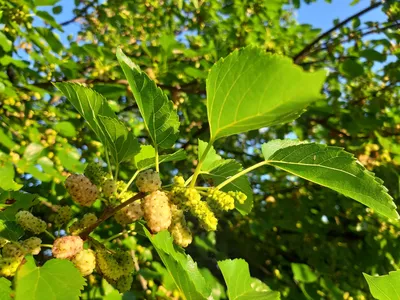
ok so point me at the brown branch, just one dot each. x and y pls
(81, 13)
(303, 53)
(109, 212)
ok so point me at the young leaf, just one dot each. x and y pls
(182, 268)
(333, 168)
(5, 289)
(303, 273)
(102, 120)
(122, 143)
(385, 287)
(240, 285)
(7, 177)
(160, 118)
(145, 159)
(218, 169)
(57, 279)
(251, 89)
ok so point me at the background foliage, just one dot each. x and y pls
(303, 240)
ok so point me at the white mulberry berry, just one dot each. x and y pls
(32, 245)
(30, 222)
(129, 214)
(67, 246)
(148, 181)
(85, 261)
(109, 187)
(81, 189)
(157, 212)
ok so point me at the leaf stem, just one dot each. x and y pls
(198, 167)
(50, 234)
(116, 172)
(108, 162)
(241, 173)
(109, 212)
(118, 235)
(156, 159)
(46, 245)
(130, 181)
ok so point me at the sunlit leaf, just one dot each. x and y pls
(146, 157)
(333, 168)
(251, 89)
(385, 287)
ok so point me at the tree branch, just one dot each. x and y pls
(109, 213)
(303, 53)
(82, 12)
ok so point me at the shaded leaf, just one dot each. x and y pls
(160, 118)
(251, 89)
(303, 273)
(333, 168)
(351, 68)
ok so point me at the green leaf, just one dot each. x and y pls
(160, 118)
(181, 266)
(303, 273)
(5, 43)
(102, 120)
(351, 68)
(7, 174)
(333, 168)
(251, 89)
(218, 169)
(145, 159)
(58, 279)
(5, 289)
(65, 128)
(240, 284)
(50, 38)
(121, 142)
(388, 143)
(385, 287)
(33, 152)
(6, 141)
(373, 55)
(49, 19)
(45, 2)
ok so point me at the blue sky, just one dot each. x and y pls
(319, 14)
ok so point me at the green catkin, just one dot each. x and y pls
(179, 181)
(179, 230)
(95, 173)
(219, 200)
(189, 199)
(29, 222)
(148, 181)
(81, 189)
(238, 196)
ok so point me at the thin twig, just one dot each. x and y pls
(81, 13)
(143, 281)
(109, 213)
(303, 53)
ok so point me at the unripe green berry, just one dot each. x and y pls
(85, 261)
(87, 220)
(13, 250)
(64, 214)
(124, 283)
(67, 246)
(8, 266)
(95, 173)
(81, 189)
(32, 245)
(157, 211)
(148, 181)
(109, 187)
(113, 266)
(30, 222)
